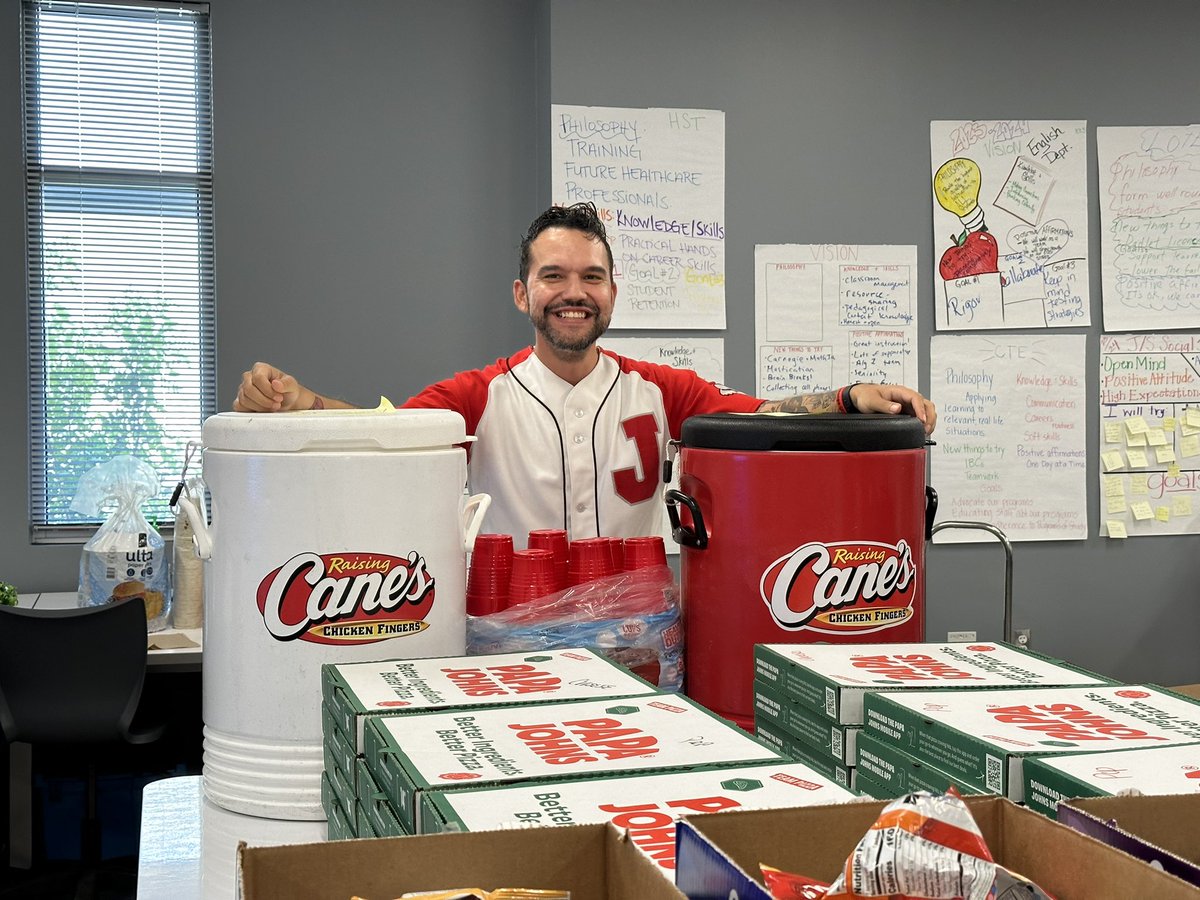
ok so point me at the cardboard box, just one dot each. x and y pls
(593, 862)
(1187, 690)
(423, 751)
(356, 692)
(375, 809)
(1163, 831)
(720, 855)
(893, 773)
(1150, 771)
(982, 737)
(831, 679)
(805, 724)
(789, 745)
(645, 805)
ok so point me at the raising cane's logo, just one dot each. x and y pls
(851, 587)
(346, 598)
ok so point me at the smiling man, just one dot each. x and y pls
(569, 435)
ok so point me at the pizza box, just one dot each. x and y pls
(983, 737)
(374, 807)
(593, 862)
(831, 679)
(1163, 831)
(896, 773)
(805, 724)
(422, 751)
(719, 856)
(792, 747)
(1152, 770)
(356, 692)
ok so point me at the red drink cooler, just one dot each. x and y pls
(796, 529)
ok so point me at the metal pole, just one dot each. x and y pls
(1008, 567)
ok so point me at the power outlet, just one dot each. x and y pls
(1024, 636)
(959, 637)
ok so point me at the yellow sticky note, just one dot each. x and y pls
(1155, 437)
(1163, 513)
(1137, 458)
(1181, 505)
(1168, 423)
(1189, 445)
(1136, 425)
(1113, 432)
(1191, 417)
(1114, 486)
(1164, 454)
(1116, 504)
(1116, 529)
(1138, 486)
(1136, 440)
(1141, 510)
(1173, 470)
(1112, 460)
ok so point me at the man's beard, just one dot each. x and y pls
(545, 327)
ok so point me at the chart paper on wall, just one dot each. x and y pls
(826, 315)
(657, 176)
(1009, 224)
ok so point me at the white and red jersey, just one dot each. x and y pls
(585, 457)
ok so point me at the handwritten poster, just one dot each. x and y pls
(1149, 434)
(1150, 226)
(657, 176)
(832, 314)
(1009, 224)
(1010, 444)
(704, 356)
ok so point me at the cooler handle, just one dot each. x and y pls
(931, 501)
(695, 537)
(475, 507)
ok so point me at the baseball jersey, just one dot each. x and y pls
(585, 457)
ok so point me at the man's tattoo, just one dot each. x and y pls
(803, 403)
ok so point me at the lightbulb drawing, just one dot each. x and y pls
(956, 186)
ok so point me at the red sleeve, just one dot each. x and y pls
(686, 394)
(466, 394)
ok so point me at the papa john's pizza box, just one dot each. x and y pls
(355, 692)
(984, 737)
(1173, 769)
(885, 772)
(1161, 830)
(646, 806)
(414, 753)
(792, 747)
(804, 724)
(593, 862)
(832, 678)
(719, 856)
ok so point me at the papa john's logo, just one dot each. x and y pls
(346, 598)
(826, 588)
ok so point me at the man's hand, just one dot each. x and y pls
(267, 389)
(894, 399)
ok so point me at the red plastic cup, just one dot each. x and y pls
(590, 558)
(616, 548)
(490, 573)
(554, 540)
(532, 576)
(645, 551)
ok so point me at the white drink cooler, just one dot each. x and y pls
(336, 536)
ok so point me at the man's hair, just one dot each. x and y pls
(581, 217)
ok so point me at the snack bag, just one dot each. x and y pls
(126, 557)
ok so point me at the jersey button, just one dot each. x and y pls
(579, 413)
(582, 507)
(579, 438)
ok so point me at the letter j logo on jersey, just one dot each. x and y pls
(346, 598)
(851, 587)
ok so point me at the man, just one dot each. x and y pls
(569, 435)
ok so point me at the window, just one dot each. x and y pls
(118, 173)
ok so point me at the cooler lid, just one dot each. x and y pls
(346, 430)
(849, 432)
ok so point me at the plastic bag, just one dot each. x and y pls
(126, 557)
(633, 618)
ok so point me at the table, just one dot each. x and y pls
(188, 846)
(182, 659)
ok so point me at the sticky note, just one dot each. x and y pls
(1116, 529)
(1114, 486)
(1137, 458)
(1112, 460)
(1116, 504)
(1162, 513)
(1191, 417)
(1136, 425)
(1138, 486)
(1141, 510)
(1173, 470)
(1164, 454)
(1181, 505)
(1189, 445)
(1168, 423)
(1113, 432)
(1136, 440)
(1155, 437)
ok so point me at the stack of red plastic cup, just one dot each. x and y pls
(554, 540)
(532, 576)
(590, 558)
(490, 573)
(645, 551)
(616, 549)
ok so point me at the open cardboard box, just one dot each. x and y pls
(720, 855)
(1164, 830)
(593, 862)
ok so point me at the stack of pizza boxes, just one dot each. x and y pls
(828, 705)
(551, 737)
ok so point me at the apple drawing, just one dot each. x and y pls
(978, 254)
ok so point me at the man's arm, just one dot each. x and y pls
(891, 399)
(268, 389)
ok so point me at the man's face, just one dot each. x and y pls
(569, 292)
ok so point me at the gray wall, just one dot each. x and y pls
(377, 159)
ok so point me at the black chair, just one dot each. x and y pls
(68, 676)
